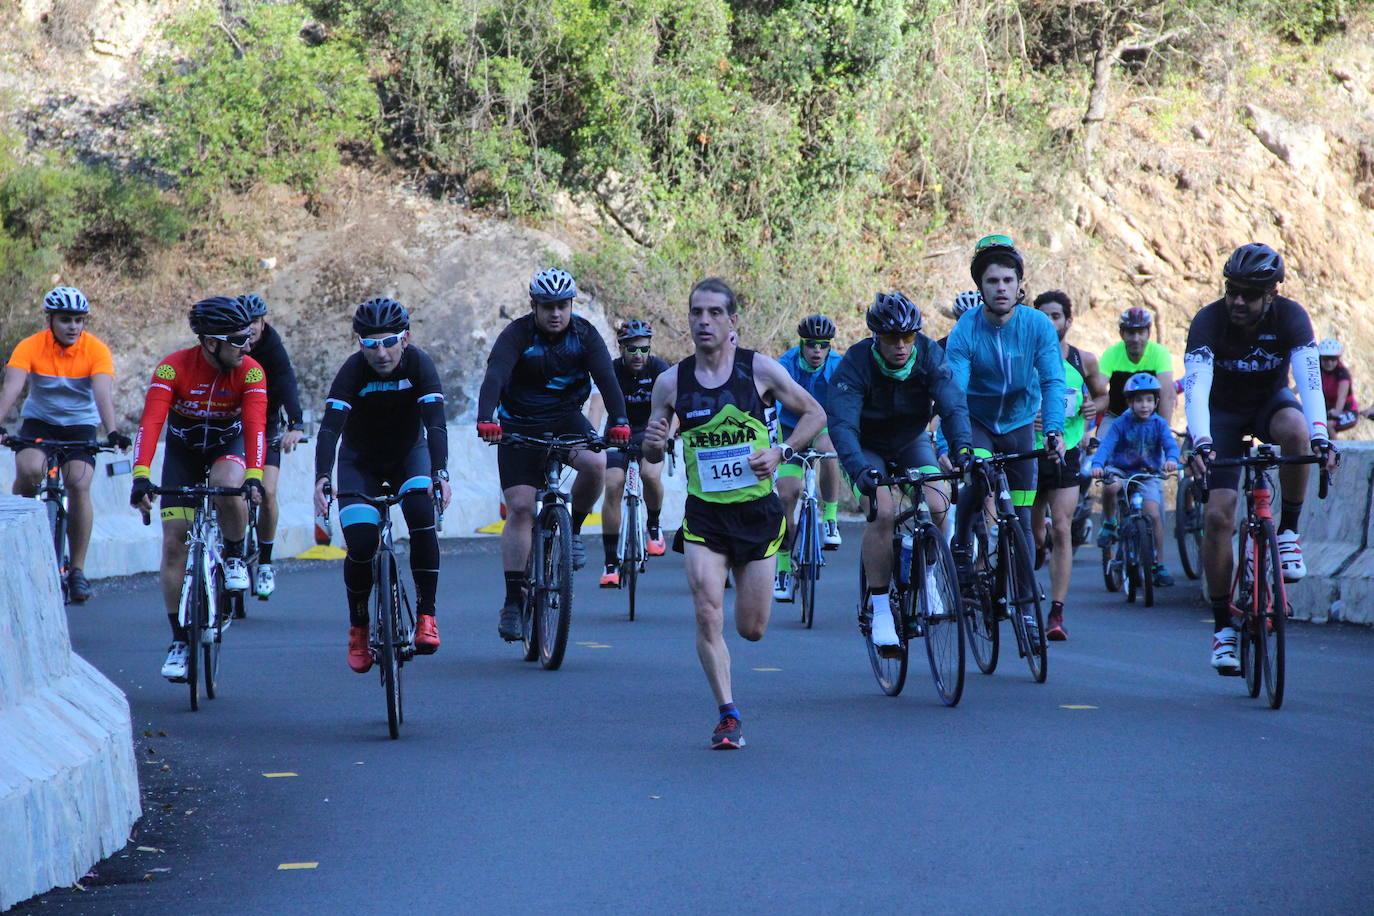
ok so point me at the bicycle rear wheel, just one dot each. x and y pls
(1111, 565)
(890, 672)
(1272, 604)
(980, 616)
(941, 620)
(1023, 601)
(212, 637)
(384, 624)
(553, 601)
(1188, 529)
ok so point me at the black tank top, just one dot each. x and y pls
(720, 428)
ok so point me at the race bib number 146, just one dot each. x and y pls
(722, 469)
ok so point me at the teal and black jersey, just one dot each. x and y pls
(816, 381)
(534, 379)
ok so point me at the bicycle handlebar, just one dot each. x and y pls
(199, 490)
(909, 477)
(1266, 459)
(94, 445)
(549, 443)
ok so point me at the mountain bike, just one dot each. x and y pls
(807, 558)
(924, 593)
(205, 609)
(52, 492)
(630, 553)
(546, 614)
(391, 628)
(1188, 515)
(1002, 581)
(1128, 559)
(1257, 589)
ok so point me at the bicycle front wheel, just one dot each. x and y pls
(634, 551)
(553, 600)
(196, 612)
(212, 637)
(1145, 550)
(1188, 529)
(808, 569)
(1023, 601)
(890, 672)
(1272, 604)
(1251, 649)
(940, 617)
(385, 628)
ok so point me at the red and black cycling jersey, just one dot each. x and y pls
(204, 407)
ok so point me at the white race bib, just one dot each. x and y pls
(723, 469)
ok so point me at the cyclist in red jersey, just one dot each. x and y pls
(213, 400)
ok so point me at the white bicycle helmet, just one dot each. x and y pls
(1330, 347)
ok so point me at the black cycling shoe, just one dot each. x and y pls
(510, 623)
(78, 587)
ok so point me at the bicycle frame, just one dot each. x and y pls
(203, 537)
(632, 515)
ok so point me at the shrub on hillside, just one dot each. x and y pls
(248, 100)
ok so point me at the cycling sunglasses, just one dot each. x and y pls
(643, 349)
(1248, 293)
(240, 340)
(895, 338)
(390, 340)
(819, 344)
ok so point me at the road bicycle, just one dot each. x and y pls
(1257, 588)
(1188, 515)
(630, 554)
(391, 628)
(52, 492)
(546, 613)
(924, 593)
(206, 606)
(1002, 582)
(1128, 560)
(807, 557)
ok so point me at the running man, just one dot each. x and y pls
(282, 395)
(1058, 485)
(213, 400)
(1240, 349)
(883, 396)
(387, 404)
(811, 363)
(70, 375)
(733, 520)
(539, 374)
(635, 370)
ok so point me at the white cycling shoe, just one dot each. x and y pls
(174, 668)
(830, 535)
(267, 581)
(1290, 556)
(235, 574)
(883, 628)
(1224, 657)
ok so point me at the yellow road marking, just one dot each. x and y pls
(767, 669)
(277, 775)
(322, 552)
(1075, 706)
(292, 866)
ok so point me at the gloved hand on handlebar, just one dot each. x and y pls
(618, 435)
(119, 440)
(867, 482)
(489, 431)
(256, 492)
(141, 493)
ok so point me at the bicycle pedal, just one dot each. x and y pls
(1229, 672)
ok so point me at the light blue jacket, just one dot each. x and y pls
(1006, 372)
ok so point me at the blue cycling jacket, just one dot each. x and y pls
(816, 382)
(1137, 445)
(1006, 371)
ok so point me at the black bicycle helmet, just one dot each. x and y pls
(66, 299)
(991, 249)
(893, 313)
(633, 328)
(256, 307)
(816, 327)
(1135, 317)
(380, 316)
(219, 315)
(1256, 266)
(552, 285)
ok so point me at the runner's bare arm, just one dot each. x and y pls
(11, 388)
(660, 416)
(1097, 386)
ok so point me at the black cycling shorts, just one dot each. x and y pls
(1021, 475)
(1230, 427)
(183, 466)
(37, 429)
(1053, 476)
(741, 532)
(521, 466)
(358, 475)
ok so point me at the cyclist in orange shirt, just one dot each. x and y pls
(70, 375)
(213, 400)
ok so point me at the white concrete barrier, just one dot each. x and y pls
(121, 544)
(1338, 543)
(68, 778)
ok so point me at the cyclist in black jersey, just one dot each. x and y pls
(635, 369)
(733, 519)
(388, 405)
(1240, 350)
(539, 374)
(282, 395)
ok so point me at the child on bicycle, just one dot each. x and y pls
(1140, 440)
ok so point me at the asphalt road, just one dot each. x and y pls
(1134, 780)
